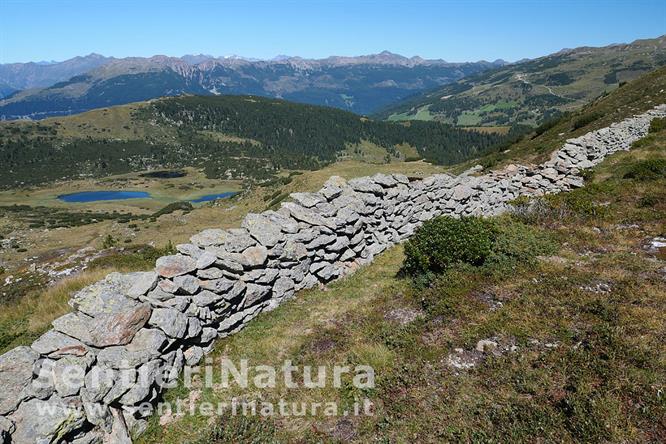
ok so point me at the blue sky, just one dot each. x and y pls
(32, 30)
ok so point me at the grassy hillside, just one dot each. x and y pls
(536, 90)
(634, 97)
(228, 137)
(573, 312)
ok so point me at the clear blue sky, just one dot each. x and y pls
(32, 30)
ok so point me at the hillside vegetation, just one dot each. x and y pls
(229, 137)
(555, 333)
(536, 90)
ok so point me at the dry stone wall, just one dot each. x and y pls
(131, 334)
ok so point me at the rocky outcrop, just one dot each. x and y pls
(83, 380)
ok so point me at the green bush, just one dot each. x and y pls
(648, 169)
(444, 241)
(648, 201)
(657, 125)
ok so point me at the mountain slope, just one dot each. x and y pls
(532, 91)
(361, 84)
(225, 136)
(39, 75)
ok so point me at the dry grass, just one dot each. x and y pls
(26, 319)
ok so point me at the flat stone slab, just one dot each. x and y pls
(16, 367)
(172, 266)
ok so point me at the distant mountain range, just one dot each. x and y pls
(362, 84)
(528, 92)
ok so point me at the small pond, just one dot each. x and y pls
(93, 196)
(209, 197)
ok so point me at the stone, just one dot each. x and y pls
(190, 250)
(210, 237)
(175, 265)
(170, 321)
(306, 215)
(486, 345)
(283, 287)
(193, 327)
(167, 286)
(97, 383)
(119, 432)
(100, 298)
(207, 297)
(205, 260)
(307, 200)
(7, 427)
(42, 386)
(145, 378)
(366, 185)
(118, 328)
(125, 380)
(255, 256)
(54, 341)
(294, 251)
(254, 293)
(264, 230)
(385, 180)
(143, 283)
(208, 334)
(193, 355)
(145, 346)
(187, 284)
(16, 367)
(69, 374)
(46, 421)
(211, 273)
(216, 285)
(98, 414)
(238, 240)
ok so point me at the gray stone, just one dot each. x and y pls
(193, 355)
(42, 386)
(118, 328)
(190, 250)
(264, 230)
(143, 283)
(211, 273)
(145, 378)
(101, 298)
(69, 374)
(207, 297)
(384, 180)
(307, 200)
(119, 432)
(294, 251)
(124, 380)
(366, 185)
(167, 286)
(7, 427)
(97, 383)
(98, 414)
(193, 327)
(306, 215)
(170, 321)
(145, 346)
(187, 284)
(47, 421)
(208, 334)
(283, 287)
(175, 265)
(54, 341)
(255, 256)
(238, 240)
(210, 237)
(255, 293)
(217, 285)
(16, 368)
(205, 260)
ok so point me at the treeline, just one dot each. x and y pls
(293, 134)
(268, 135)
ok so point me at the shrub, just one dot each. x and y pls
(109, 242)
(445, 241)
(657, 125)
(648, 169)
(648, 201)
